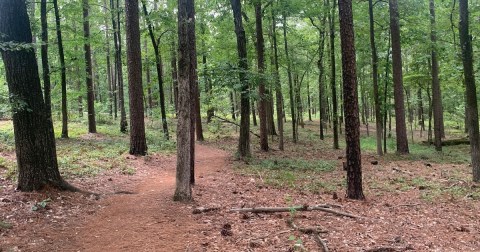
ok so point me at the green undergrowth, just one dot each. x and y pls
(83, 154)
(298, 173)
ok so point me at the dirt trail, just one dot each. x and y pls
(148, 219)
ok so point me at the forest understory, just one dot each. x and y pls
(420, 202)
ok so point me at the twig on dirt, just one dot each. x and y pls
(200, 210)
(388, 249)
(311, 231)
(323, 208)
(406, 205)
(234, 123)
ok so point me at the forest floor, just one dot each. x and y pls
(421, 202)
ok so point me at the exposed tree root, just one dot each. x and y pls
(323, 208)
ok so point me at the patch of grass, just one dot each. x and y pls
(296, 165)
(5, 225)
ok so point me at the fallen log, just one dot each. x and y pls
(311, 231)
(234, 123)
(323, 208)
(451, 142)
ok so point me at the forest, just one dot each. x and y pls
(241, 125)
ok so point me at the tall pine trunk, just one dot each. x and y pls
(471, 93)
(92, 127)
(291, 90)
(138, 143)
(278, 85)
(401, 127)
(262, 102)
(333, 74)
(436, 90)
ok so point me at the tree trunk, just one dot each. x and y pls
(352, 122)
(92, 127)
(109, 67)
(333, 85)
(183, 191)
(148, 80)
(471, 94)
(173, 65)
(45, 65)
(385, 98)
(401, 127)
(244, 140)
(159, 66)
(278, 86)
(34, 138)
(309, 102)
(291, 91)
(138, 143)
(436, 91)
(262, 102)
(376, 92)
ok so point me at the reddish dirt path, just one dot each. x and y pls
(148, 219)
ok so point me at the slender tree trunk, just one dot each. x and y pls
(471, 93)
(291, 90)
(232, 103)
(159, 66)
(63, 74)
(436, 91)
(45, 64)
(309, 102)
(262, 102)
(109, 67)
(148, 79)
(183, 191)
(92, 127)
(114, 8)
(244, 141)
(34, 137)
(173, 64)
(138, 143)
(385, 97)
(352, 122)
(333, 85)
(376, 92)
(401, 128)
(278, 86)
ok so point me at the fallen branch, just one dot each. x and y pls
(311, 231)
(234, 123)
(323, 208)
(200, 210)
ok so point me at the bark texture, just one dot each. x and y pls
(262, 102)
(92, 126)
(436, 90)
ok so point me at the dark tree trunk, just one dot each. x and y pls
(109, 65)
(291, 91)
(254, 113)
(278, 86)
(333, 85)
(61, 56)
(159, 66)
(376, 92)
(92, 127)
(148, 79)
(385, 98)
(269, 111)
(45, 65)
(436, 91)
(309, 102)
(352, 122)
(183, 191)
(244, 140)
(262, 102)
(207, 80)
(401, 127)
(34, 138)
(115, 9)
(138, 143)
(232, 103)
(173, 64)
(471, 93)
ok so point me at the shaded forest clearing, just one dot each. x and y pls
(421, 202)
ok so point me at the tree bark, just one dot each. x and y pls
(401, 127)
(436, 90)
(262, 103)
(244, 140)
(45, 65)
(333, 74)
(352, 122)
(183, 191)
(138, 143)
(291, 91)
(471, 94)
(173, 64)
(92, 127)
(278, 85)
(376, 92)
(34, 138)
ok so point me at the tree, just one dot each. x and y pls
(291, 91)
(244, 140)
(436, 91)
(278, 86)
(34, 138)
(376, 93)
(92, 127)
(61, 56)
(352, 122)
(138, 143)
(159, 65)
(471, 92)
(401, 127)
(183, 191)
(262, 103)
(45, 64)
(333, 73)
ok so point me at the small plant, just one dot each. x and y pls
(41, 205)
